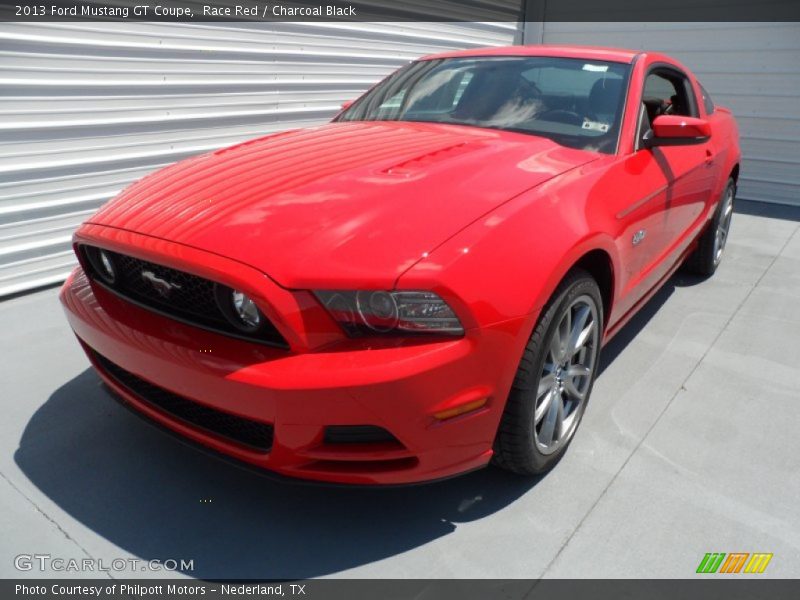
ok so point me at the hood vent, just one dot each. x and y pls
(423, 161)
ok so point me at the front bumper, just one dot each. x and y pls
(398, 387)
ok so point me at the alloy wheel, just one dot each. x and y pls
(723, 225)
(567, 374)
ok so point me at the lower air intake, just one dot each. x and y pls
(357, 434)
(246, 432)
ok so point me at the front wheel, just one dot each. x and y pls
(554, 379)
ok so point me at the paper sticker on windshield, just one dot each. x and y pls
(595, 126)
(595, 68)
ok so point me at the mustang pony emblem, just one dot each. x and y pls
(162, 286)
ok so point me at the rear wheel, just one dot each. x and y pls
(708, 255)
(554, 379)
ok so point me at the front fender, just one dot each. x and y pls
(508, 263)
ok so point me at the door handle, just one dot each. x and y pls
(709, 157)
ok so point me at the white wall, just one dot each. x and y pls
(88, 107)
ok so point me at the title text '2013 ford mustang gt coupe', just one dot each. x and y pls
(422, 285)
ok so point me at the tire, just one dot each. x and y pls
(530, 416)
(708, 255)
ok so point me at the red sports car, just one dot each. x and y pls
(424, 284)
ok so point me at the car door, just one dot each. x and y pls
(637, 203)
(662, 190)
(689, 170)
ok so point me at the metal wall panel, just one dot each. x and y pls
(752, 68)
(88, 107)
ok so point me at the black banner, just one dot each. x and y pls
(375, 589)
(189, 11)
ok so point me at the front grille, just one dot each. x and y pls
(254, 434)
(188, 298)
(192, 297)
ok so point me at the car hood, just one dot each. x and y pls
(345, 203)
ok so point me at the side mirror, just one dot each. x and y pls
(677, 130)
(347, 104)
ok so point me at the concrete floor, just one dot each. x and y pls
(689, 445)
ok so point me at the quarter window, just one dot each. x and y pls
(707, 102)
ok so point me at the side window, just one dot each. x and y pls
(707, 102)
(668, 92)
(658, 86)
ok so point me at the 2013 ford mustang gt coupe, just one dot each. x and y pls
(423, 285)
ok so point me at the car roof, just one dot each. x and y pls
(621, 55)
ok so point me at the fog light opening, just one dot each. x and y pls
(246, 311)
(240, 309)
(102, 264)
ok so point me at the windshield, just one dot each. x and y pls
(575, 102)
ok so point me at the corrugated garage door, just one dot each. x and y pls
(86, 108)
(753, 68)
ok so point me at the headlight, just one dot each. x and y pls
(396, 312)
